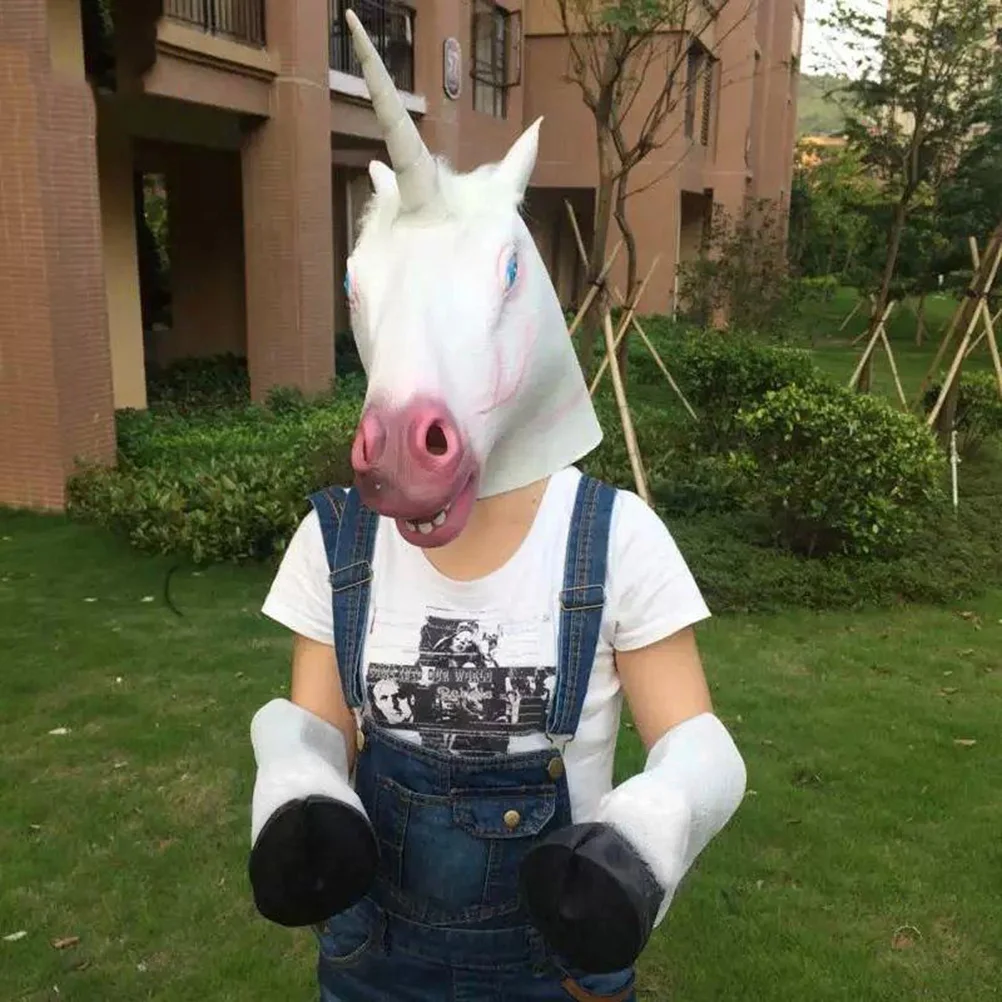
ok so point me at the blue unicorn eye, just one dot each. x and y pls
(347, 284)
(511, 272)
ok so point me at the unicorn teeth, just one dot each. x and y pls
(425, 527)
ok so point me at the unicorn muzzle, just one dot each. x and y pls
(413, 464)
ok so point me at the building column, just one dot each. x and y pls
(121, 264)
(56, 400)
(289, 237)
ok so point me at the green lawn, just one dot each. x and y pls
(864, 864)
(836, 354)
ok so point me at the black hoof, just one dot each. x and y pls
(592, 898)
(313, 859)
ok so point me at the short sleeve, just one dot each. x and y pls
(653, 594)
(300, 594)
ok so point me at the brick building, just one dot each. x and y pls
(254, 114)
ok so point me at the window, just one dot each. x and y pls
(709, 94)
(693, 63)
(496, 62)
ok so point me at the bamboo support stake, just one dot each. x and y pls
(894, 368)
(659, 361)
(636, 323)
(664, 369)
(873, 344)
(962, 350)
(577, 232)
(624, 411)
(593, 291)
(993, 347)
(951, 332)
(981, 336)
(624, 324)
(957, 359)
(855, 310)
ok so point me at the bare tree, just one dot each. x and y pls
(635, 62)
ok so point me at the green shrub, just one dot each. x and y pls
(979, 410)
(720, 374)
(837, 471)
(217, 485)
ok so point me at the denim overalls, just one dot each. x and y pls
(443, 920)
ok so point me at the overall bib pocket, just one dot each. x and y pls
(456, 857)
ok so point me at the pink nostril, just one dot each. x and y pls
(434, 437)
(370, 441)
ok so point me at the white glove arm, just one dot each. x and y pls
(313, 850)
(691, 786)
(298, 755)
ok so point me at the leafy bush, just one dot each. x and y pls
(720, 374)
(837, 471)
(979, 410)
(218, 485)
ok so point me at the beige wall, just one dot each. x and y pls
(121, 265)
(65, 45)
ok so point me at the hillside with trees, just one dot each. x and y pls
(817, 112)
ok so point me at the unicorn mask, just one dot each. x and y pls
(473, 385)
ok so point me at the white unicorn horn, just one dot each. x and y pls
(417, 176)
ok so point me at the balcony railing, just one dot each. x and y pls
(241, 20)
(389, 24)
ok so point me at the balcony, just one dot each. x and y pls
(237, 20)
(389, 24)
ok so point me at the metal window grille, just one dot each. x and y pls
(496, 56)
(241, 20)
(691, 89)
(389, 24)
(708, 98)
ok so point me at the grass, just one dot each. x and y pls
(835, 353)
(131, 830)
(863, 865)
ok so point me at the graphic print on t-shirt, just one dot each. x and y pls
(474, 684)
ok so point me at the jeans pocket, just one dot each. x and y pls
(615, 986)
(345, 938)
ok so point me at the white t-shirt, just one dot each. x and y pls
(470, 665)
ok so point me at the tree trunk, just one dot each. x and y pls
(890, 263)
(600, 235)
(630, 241)
(920, 320)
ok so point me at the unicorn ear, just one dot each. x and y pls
(383, 178)
(519, 161)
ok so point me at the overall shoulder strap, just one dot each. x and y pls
(582, 602)
(349, 532)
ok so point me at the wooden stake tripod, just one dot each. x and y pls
(880, 334)
(982, 286)
(630, 318)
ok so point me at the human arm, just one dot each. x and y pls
(313, 850)
(597, 888)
